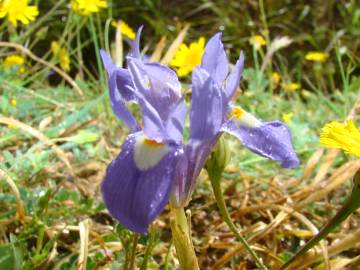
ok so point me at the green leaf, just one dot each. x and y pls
(10, 257)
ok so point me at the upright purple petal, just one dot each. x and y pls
(174, 123)
(233, 79)
(123, 80)
(135, 45)
(214, 60)
(269, 139)
(136, 196)
(153, 124)
(206, 112)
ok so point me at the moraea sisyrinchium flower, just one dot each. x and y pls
(138, 182)
(211, 114)
(154, 164)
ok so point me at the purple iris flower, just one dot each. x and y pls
(153, 164)
(139, 180)
(211, 114)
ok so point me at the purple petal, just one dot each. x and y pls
(174, 124)
(233, 79)
(153, 124)
(206, 112)
(123, 79)
(214, 59)
(271, 140)
(134, 196)
(119, 107)
(135, 46)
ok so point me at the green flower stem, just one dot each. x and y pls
(351, 205)
(182, 240)
(215, 177)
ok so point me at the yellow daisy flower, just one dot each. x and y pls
(257, 41)
(61, 54)
(287, 117)
(85, 7)
(18, 10)
(15, 61)
(291, 86)
(344, 136)
(316, 56)
(125, 29)
(188, 57)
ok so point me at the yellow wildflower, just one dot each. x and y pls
(275, 78)
(61, 54)
(125, 29)
(257, 41)
(291, 86)
(344, 136)
(85, 7)
(14, 60)
(188, 57)
(18, 10)
(13, 102)
(316, 56)
(287, 117)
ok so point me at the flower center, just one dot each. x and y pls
(152, 143)
(237, 113)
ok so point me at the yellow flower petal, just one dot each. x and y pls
(275, 78)
(85, 7)
(18, 10)
(344, 136)
(316, 56)
(257, 41)
(291, 86)
(287, 117)
(188, 57)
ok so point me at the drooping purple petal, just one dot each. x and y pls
(206, 112)
(134, 196)
(214, 60)
(233, 79)
(270, 139)
(119, 107)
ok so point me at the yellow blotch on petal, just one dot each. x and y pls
(316, 56)
(236, 112)
(287, 117)
(291, 86)
(61, 55)
(18, 10)
(257, 41)
(85, 7)
(275, 78)
(188, 57)
(341, 135)
(125, 29)
(152, 143)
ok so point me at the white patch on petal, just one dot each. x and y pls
(147, 154)
(248, 120)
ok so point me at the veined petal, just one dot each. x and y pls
(268, 139)
(233, 79)
(138, 182)
(214, 60)
(206, 112)
(174, 124)
(153, 124)
(119, 107)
